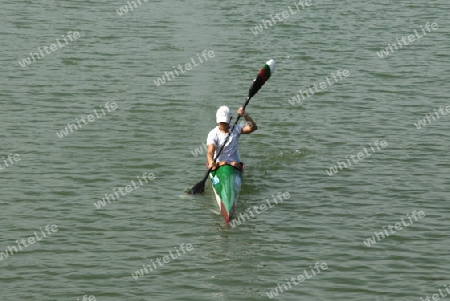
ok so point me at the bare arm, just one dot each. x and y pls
(210, 155)
(251, 126)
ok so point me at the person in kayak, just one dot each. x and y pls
(217, 136)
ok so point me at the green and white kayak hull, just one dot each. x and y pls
(226, 183)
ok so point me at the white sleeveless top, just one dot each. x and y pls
(230, 151)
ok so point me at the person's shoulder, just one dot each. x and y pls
(214, 130)
(239, 127)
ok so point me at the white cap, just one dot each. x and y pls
(223, 114)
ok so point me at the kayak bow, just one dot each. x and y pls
(226, 182)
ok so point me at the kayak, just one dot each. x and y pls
(226, 182)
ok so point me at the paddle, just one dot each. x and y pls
(263, 75)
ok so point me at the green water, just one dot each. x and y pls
(154, 130)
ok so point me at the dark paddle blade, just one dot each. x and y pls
(197, 188)
(200, 186)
